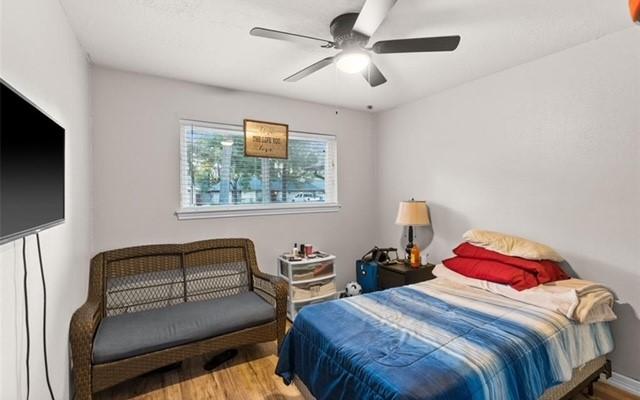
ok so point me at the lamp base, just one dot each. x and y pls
(407, 259)
(409, 246)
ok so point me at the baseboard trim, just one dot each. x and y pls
(625, 383)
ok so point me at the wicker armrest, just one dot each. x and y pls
(273, 289)
(273, 286)
(84, 324)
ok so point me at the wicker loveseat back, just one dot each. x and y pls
(167, 275)
(143, 278)
(215, 273)
(138, 282)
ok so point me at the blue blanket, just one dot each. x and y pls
(435, 340)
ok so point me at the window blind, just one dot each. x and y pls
(215, 172)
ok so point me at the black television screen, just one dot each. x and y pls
(31, 167)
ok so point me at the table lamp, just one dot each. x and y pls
(412, 213)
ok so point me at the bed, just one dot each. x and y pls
(440, 340)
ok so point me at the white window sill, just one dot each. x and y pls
(255, 209)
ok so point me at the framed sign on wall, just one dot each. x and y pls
(265, 139)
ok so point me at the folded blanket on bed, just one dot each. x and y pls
(580, 300)
(595, 301)
(543, 270)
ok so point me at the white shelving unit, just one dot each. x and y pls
(311, 280)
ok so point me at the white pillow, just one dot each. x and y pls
(511, 245)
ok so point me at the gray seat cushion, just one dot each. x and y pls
(129, 335)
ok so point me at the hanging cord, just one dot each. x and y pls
(335, 86)
(370, 105)
(26, 307)
(44, 319)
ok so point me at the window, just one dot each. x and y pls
(217, 180)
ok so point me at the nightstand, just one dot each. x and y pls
(395, 275)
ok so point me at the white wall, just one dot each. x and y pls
(549, 150)
(40, 56)
(136, 168)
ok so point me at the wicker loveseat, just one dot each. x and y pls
(152, 306)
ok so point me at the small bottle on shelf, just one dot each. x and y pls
(294, 251)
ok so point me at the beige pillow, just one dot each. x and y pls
(511, 245)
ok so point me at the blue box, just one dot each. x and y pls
(367, 275)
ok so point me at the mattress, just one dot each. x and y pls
(436, 340)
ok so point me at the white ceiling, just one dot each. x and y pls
(208, 41)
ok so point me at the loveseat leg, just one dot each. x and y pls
(280, 340)
(280, 334)
(82, 386)
(81, 369)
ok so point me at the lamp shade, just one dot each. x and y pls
(413, 212)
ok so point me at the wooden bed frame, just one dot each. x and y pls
(583, 378)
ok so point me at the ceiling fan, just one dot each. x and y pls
(351, 33)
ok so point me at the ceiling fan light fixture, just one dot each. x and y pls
(351, 33)
(352, 62)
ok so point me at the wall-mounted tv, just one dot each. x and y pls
(31, 167)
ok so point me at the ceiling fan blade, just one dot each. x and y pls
(309, 70)
(373, 75)
(289, 37)
(371, 16)
(417, 45)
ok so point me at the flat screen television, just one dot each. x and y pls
(31, 167)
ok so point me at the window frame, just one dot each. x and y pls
(245, 210)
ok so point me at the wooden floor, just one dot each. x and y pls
(249, 376)
(608, 392)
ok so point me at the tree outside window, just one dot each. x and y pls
(216, 172)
